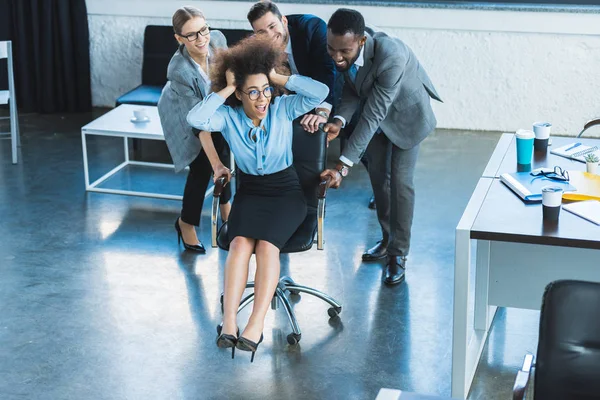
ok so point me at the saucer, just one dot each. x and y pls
(139, 121)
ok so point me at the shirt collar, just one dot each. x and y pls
(360, 61)
(288, 46)
(207, 59)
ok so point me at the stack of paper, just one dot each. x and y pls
(589, 210)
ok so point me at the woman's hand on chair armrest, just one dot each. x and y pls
(220, 170)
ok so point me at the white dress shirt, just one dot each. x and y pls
(360, 61)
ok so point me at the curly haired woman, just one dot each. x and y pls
(269, 205)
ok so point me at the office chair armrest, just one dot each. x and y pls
(588, 125)
(322, 193)
(323, 186)
(522, 380)
(214, 224)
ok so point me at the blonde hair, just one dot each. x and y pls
(183, 15)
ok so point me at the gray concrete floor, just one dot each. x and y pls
(98, 301)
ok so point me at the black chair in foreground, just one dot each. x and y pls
(310, 155)
(568, 355)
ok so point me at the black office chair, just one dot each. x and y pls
(310, 155)
(588, 125)
(568, 355)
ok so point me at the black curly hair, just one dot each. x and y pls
(250, 56)
(345, 20)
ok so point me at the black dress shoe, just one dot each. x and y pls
(372, 204)
(376, 252)
(394, 272)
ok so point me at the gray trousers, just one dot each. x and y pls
(392, 170)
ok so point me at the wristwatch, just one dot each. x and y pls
(323, 114)
(342, 169)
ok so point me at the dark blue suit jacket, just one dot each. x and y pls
(308, 34)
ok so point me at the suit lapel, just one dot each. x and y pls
(198, 79)
(368, 54)
(299, 46)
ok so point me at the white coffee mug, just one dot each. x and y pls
(140, 114)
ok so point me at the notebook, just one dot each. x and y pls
(588, 186)
(529, 187)
(589, 209)
(576, 151)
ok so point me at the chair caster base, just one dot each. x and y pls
(334, 311)
(293, 338)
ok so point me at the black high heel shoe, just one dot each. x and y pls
(194, 247)
(225, 341)
(248, 345)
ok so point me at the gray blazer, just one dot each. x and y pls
(185, 88)
(395, 91)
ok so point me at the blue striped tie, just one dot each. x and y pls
(352, 73)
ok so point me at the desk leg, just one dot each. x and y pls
(467, 342)
(86, 172)
(126, 148)
(462, 266)
(484, 314)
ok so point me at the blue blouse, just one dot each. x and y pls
(264, 149)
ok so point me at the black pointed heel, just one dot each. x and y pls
(248, 345)
(199, 248)
(225, 341)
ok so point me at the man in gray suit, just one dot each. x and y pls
(386, 84)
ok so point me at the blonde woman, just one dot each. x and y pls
(189, 83)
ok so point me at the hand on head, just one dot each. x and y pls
(230, 77)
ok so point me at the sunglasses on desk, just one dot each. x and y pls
(557, 174)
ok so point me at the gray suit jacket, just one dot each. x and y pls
(185, 88)
(395, 91)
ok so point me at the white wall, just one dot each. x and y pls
(496, 70)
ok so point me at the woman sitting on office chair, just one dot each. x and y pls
(188, 83)
(269, 205)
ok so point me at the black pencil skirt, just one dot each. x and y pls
(268, 207)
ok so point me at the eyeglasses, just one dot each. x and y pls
(194, 36)
(557, 174)
(254, 94)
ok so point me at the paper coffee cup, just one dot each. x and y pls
(551, 202)
(542, 135)
(524, 139)
(542, 130)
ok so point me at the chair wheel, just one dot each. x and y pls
(334, 312)
(293, 339)
(219, 328)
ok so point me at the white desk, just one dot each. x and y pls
(517, 255)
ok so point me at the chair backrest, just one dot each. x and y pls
(568, 355)
(159, 46)
(310, 158)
